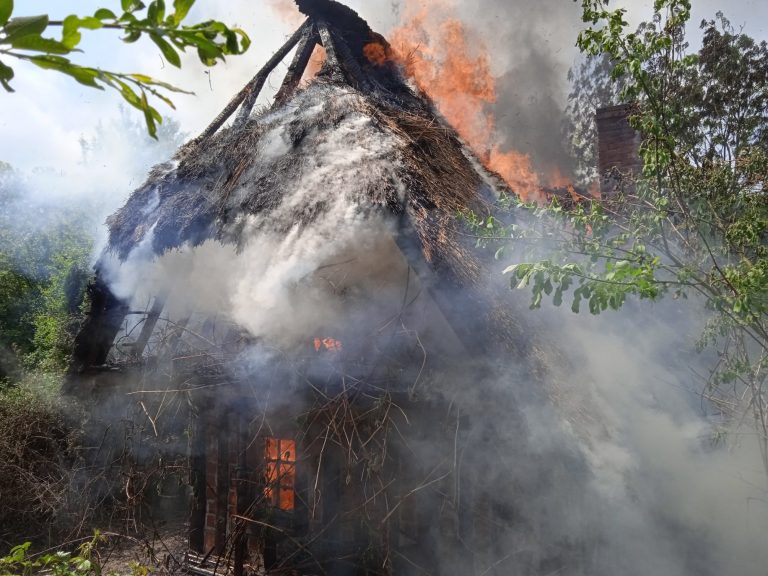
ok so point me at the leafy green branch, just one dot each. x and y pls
(18, 562)
(22, 38)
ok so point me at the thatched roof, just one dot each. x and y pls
(402, 160)
(356, 132)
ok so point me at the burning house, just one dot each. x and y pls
(300, 279)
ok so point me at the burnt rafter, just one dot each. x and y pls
(251, 90)
(300, 61)
(343, 34)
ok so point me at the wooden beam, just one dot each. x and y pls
(258, 82)
(247, 96)
(331, 52)
(197, 472)
(298, 66)
(349, 63)
(94, 341)
(149, 326)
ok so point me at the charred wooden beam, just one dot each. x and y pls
(258, 82)
(241, 498)
(94, 340)
(350, 64)
(197, 473)
(247, 96)
(464, 313)
(149, 326)
(331, 52)
(298, 66)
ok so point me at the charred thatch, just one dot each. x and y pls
(209, 189)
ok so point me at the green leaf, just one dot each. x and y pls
(131, 36)
(70, 35)
(6, 74)
(85, 76)
(245, 43)
(129, 95)
(6, 9)
(104, 14)
(39, 44)
(232, 45)
(168, 51)
(150, 116)
(557, 299)
(25, 25)
(144, 79)
(131, 5)
(576, 306)
(156, 12)
(181, 9)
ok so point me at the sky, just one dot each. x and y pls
(42, 122)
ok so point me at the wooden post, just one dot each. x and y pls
(197, 469)
(240, 536)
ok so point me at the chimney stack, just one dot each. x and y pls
(618, 148)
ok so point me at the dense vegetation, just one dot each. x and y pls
(695, 222)
(48, 223)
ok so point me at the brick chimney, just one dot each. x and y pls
(618, 148)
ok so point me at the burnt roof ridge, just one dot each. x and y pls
(356, 56)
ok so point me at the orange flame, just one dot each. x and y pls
(315, 63)
(328, 344)
(445, 60)
(376, 53)
(453, 66)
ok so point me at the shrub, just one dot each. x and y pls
(35, 475)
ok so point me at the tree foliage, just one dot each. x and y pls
(26, 38)
(43, 270)
(696, 220)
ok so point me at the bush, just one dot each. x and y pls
(35, 462)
